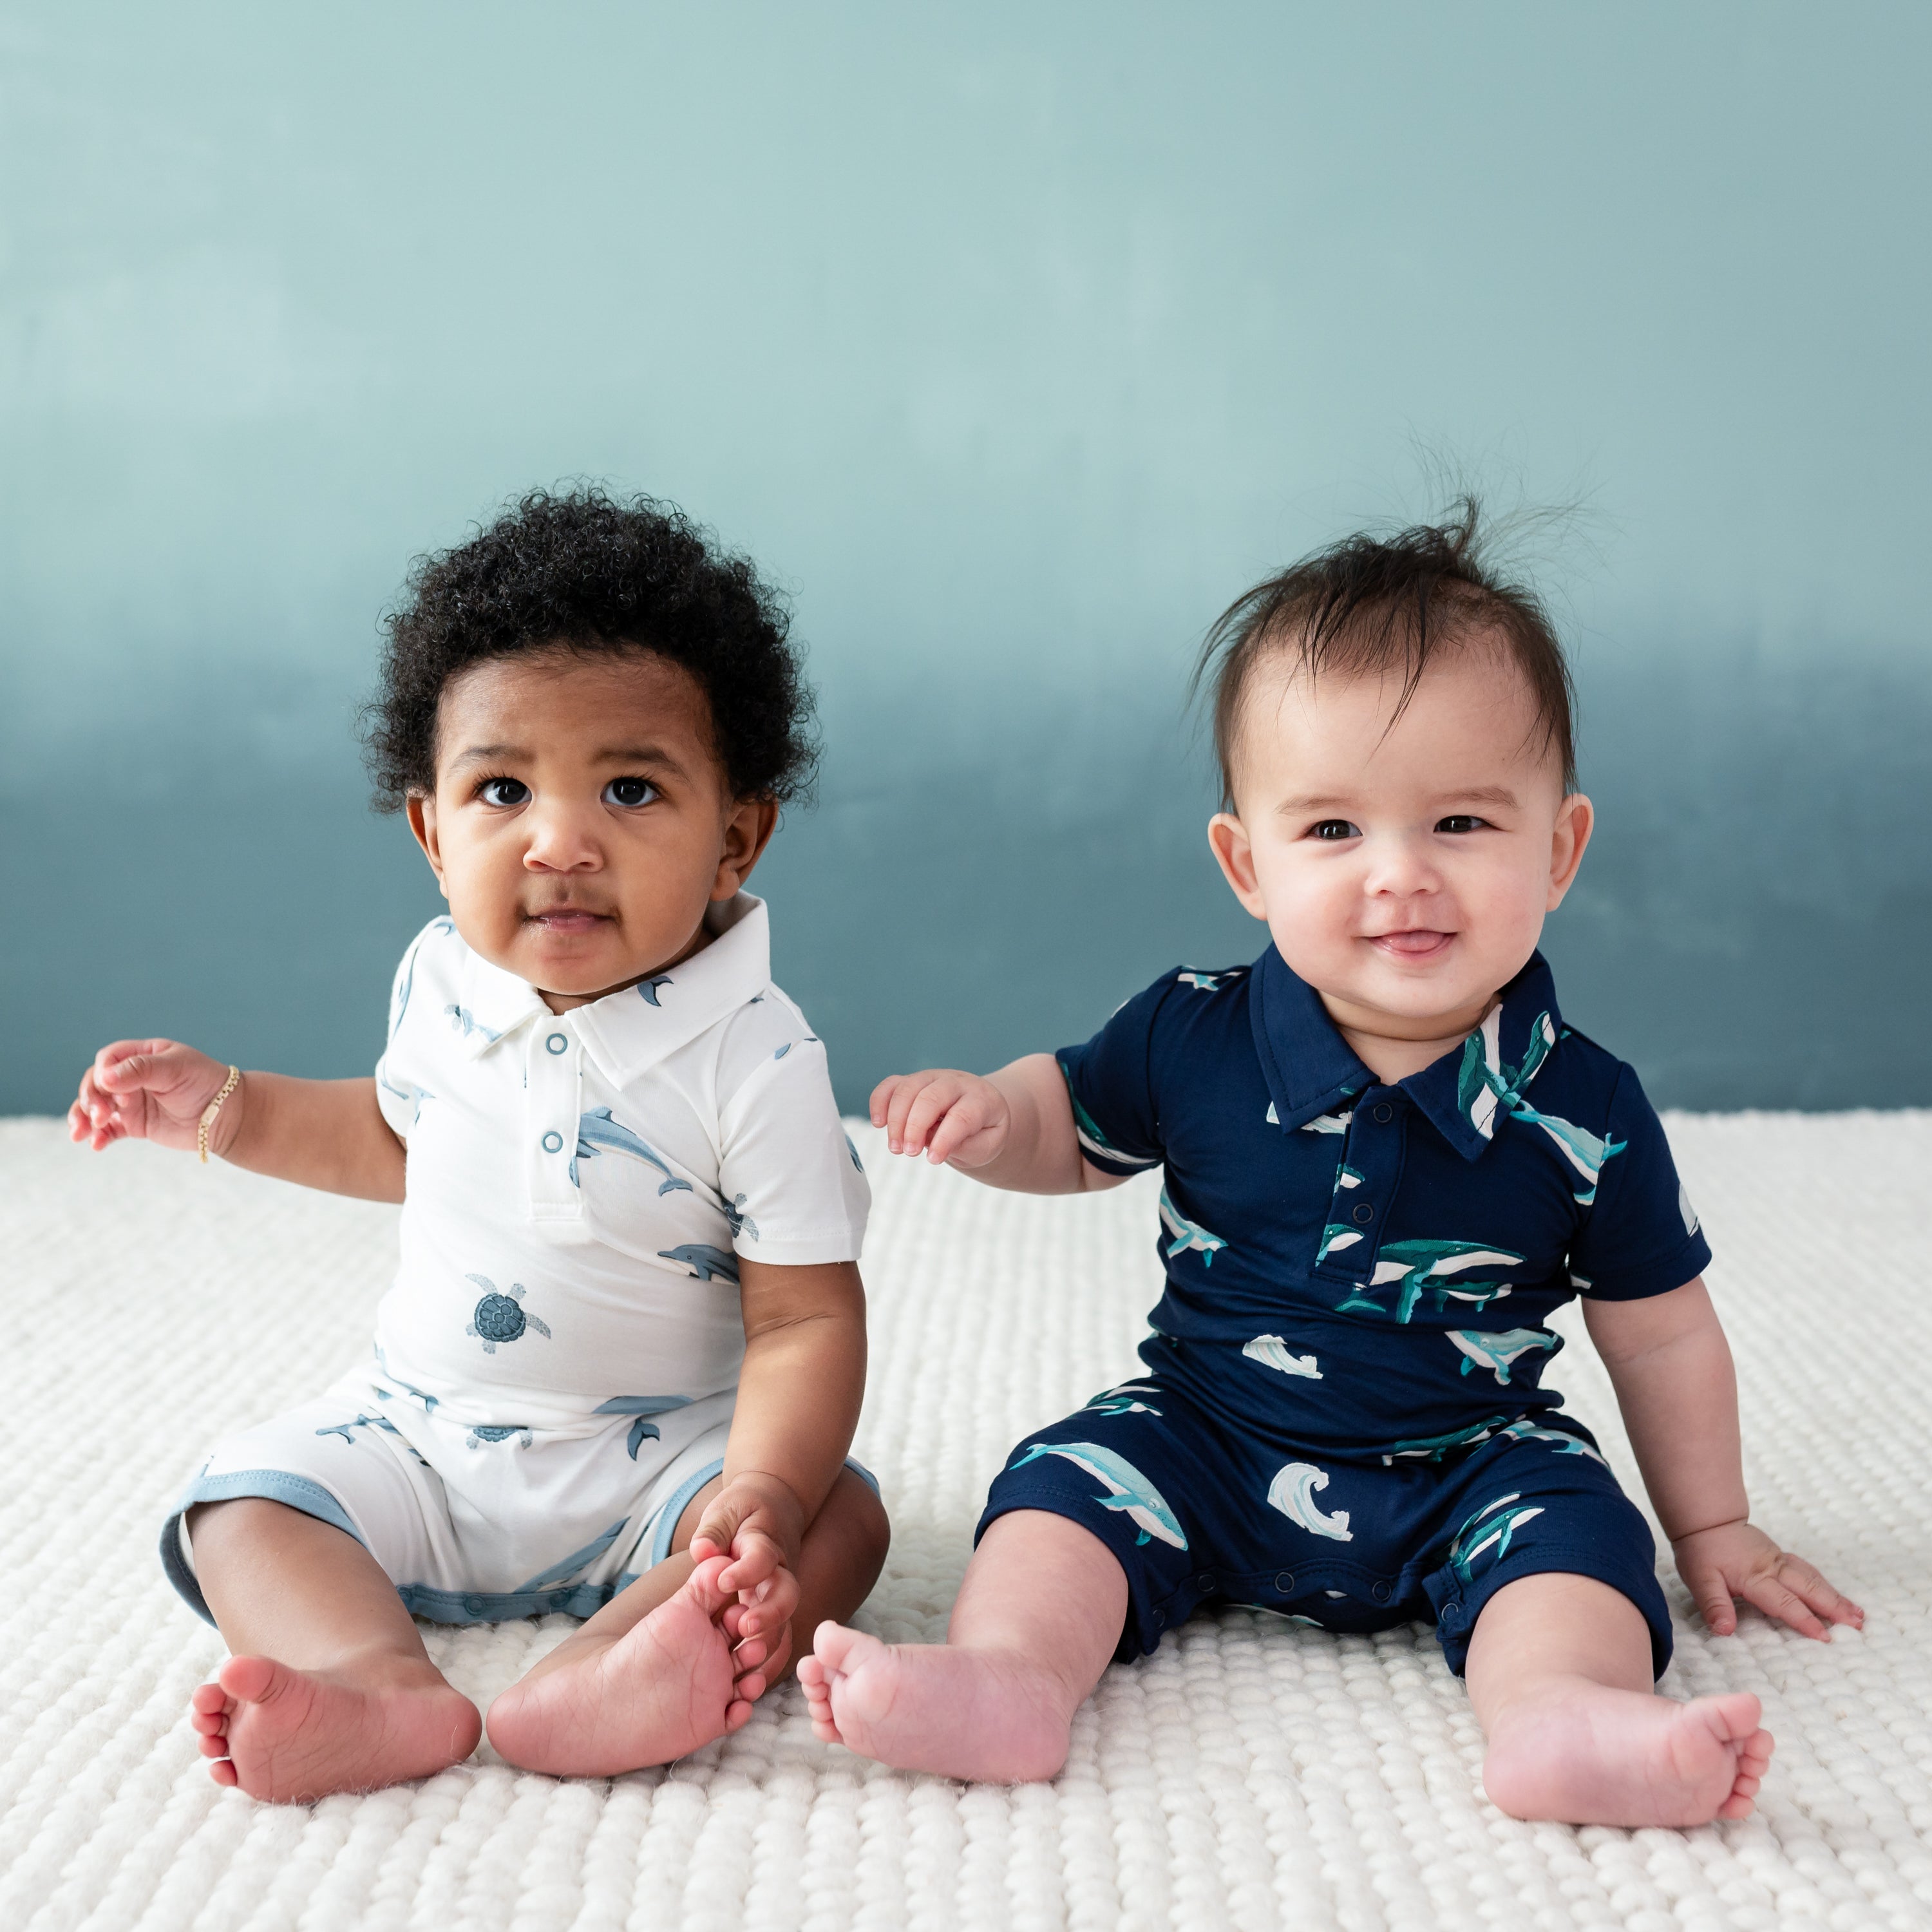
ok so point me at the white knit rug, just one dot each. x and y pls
(1251, 1774)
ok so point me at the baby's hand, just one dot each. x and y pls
(756, 1521)
(154, 1089)
(952, 1116)
(1737, 1559)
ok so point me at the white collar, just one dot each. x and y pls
(627, 1032)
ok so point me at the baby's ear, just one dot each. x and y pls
(1575, 819)
(419, 808)
(1234, 854)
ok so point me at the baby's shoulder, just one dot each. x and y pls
(430, 962)
(766, 1031)
(1593, 1079)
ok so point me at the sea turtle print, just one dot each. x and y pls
(741, 1223)
(642, 1407)
(485, 1433)
(1416, 1268)
(598, 1132)
(500, 1316)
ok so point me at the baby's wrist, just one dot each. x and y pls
(1740, 1521)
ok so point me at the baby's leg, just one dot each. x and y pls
(654, 1675)
(328, 1687)
(1559, 1671)
(1037, 1622)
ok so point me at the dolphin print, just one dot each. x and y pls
(641, 1406)
(1293, 1493)
(649, 989)
(1128, 1491)
(704, 1260)
(462, 1021)
(1496, 1349)
(598, 1130)
(1187, 1235)
(1271, 1351)
(578, 1560)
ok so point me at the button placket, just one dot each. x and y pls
(552, 1074)
(1365, 1184)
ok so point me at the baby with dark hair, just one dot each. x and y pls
(1386, 1162)
(619, 1369)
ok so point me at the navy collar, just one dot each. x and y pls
(1311, 1070)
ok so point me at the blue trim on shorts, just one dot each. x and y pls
(498, 1606)
(666, 1520)
(274, 1485)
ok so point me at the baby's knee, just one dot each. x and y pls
(865, 1530)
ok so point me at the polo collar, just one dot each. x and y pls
(627, 1032)
(1311, 1070)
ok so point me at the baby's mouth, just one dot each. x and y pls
(1421, 943)
(567, 919)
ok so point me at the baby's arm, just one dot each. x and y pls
(1013, 1129)
(1671, 1367)
(328, 1134)
(799, 1393)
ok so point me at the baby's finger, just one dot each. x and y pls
(716, 1529)
(905, 1096)
(882, 1097)
(754, 1558)
(966, 1120)
(772, 1603)
(1776, 1599)
(1820, 1594)
(934, 1103)
(1714, 1605)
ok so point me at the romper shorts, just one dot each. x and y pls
(472, 1524)
(1198, 1512)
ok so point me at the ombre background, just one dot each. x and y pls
(1013, 340)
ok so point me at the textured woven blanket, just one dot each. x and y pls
(1252, 1774)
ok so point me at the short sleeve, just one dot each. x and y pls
(399, 1098)
(1109, 1082)
(795, 1191)
(1641, 1235)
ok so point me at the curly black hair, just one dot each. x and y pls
(594, 573)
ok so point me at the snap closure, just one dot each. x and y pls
(1284, 1583)
(1206, 1580)
(1382, 1593)
(1452, 1613)
(1384, 1112)
(1363, 1212)
(475, 1605)
(557, 1043)
(553, 1142)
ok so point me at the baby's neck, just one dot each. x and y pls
(1393, 1045)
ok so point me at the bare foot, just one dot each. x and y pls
(292, 1736)
(984, 1714)
(661, 1690)
(1586, 1754)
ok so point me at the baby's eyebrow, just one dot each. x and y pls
(1481, 795)
(484, 754)
(640, 755)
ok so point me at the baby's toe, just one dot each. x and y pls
(216, 1746)
(223, 1772)
(210, 1723)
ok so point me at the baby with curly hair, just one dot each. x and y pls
(618, 1370)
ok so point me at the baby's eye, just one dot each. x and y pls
(1461, 821)
(503, 791)
(1334, 828)
(631, 792)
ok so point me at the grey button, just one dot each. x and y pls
(475, 1605)
(1384, 1112)
(1363, 1212)
(557, 1043)
(1382, 1593)
(1284, 1583)
(553, 1142)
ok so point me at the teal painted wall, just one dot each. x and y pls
(1014, 341)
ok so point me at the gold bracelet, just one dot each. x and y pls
(214, 1107)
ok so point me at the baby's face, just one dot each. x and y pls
(581, 822)
(1404, 869)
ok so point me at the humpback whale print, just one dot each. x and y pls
(1293, 1493)
(1526, 1431)
(1187, 1235)
(1487, 1529)
(704, 1260)
(1483, 1083)
(1496, 1349)
(1128, 1491)
(1119, 1400)
(462, 1021)
(1087, 1131)
(641, 1406)
(1201, 983)
(1433, 1448)
(1271, 1351)
(1327, 1123)
(1416, 1268)
(1347, 1178)
(578, 1560)
(597, 1130)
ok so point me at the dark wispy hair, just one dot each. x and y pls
(1378, 606)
